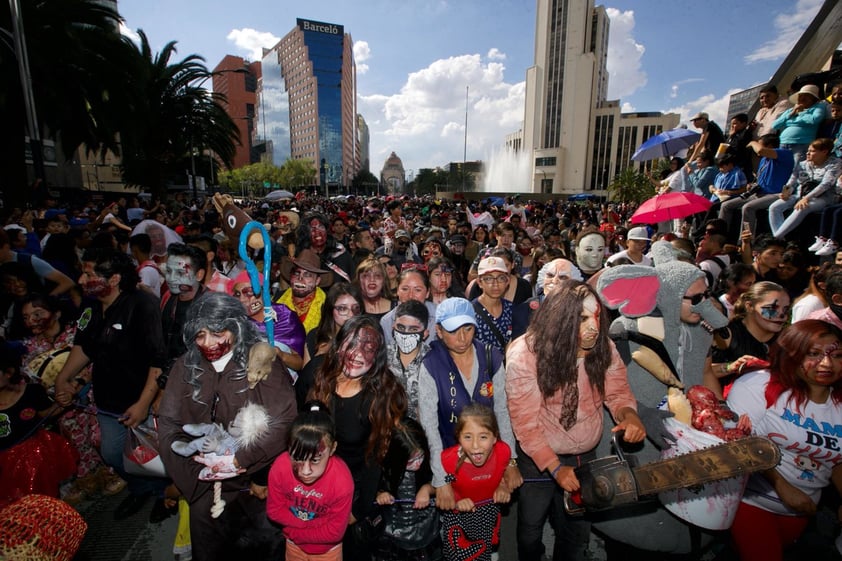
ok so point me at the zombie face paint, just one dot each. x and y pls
(309, 470)
(772, 311)
(214, 346)
(589, 324)
(244, 293)
(371, 283)
(181, 276)
(358, 353)
(303, 282)
(93, 284)
(318, 235)
(440, 279)
(822, 365)
(37, 320)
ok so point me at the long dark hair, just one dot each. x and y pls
(385, 393)
(327, 325)
(216, 311)
(787, 357)
(553, 336)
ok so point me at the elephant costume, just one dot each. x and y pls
(650, 300)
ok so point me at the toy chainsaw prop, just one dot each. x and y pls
(614, 480)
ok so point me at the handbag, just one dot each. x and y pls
(483, 314)
(140, 454)
(808, 186)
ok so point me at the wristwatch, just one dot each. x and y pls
(513, 463)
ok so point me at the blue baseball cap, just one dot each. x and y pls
(453, 313)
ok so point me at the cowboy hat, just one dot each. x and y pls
(309, 261)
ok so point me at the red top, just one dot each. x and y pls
(314, 516)
(477, 483)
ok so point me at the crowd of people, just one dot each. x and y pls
(410, 365)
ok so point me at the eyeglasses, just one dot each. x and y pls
(247, 292)
(697, 299)
(499, 279)
(346, 310)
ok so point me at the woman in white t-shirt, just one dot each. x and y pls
(797, 403)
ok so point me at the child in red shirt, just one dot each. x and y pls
(475, 471)
(310, 489)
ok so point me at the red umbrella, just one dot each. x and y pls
(674, 204)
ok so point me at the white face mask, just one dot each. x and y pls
(407, 342)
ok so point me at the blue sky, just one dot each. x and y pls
(416, 57)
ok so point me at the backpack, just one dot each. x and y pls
(713, 284)
(151, 264)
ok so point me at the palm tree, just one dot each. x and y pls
(98, 90)
(171, 118)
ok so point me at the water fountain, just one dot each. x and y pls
(507, 171)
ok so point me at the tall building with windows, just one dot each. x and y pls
(307, 101)
(237, 79)
(365, 144)
(573, 133)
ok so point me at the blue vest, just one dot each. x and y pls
(453, 395)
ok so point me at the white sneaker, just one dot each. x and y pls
(828, 248)
(820, 241)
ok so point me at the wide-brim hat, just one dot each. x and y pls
(810, 89)
(308, 260)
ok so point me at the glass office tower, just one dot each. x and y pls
(308, 99)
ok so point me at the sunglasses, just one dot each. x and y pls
(697, 299)
(413, 267)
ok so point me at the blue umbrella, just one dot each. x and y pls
(582, 197)
(665, 144)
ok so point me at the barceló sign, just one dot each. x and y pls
(319, 27)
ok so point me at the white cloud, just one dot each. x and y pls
(362, 52)
(677, 85)
(788, 27)
(252, 42)
(495, 54)
(424, 123)
(627, 107)
(625, 71)
(716, 108)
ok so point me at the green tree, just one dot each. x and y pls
(630, 186)
(365, 182)
(75, 59)
(296, 174)
(427, 181)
